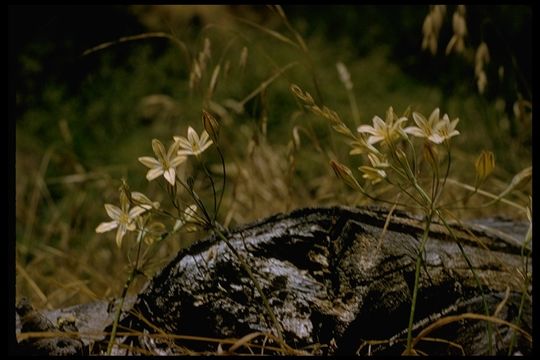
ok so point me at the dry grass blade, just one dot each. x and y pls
(162, 335)
(471, 316)
(213, 82)
(76, 178)
(298, 37)
(267, 82)
(141, 317)
(386, 223)
(520, 178)
(31, 282)
(238, 342)
(270, 32)
(503, 302)
(485, 193)
(51, 334)
(246, 339)
(76, 286)
(444, 341)
(370, 343)
(35, 198)
(140, 37)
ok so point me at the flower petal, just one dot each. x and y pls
(204, 137)
(185, 152)
(367, 129)
(436, 138)
(149, 161)
(120, 234)
(378, 123)
(178, 224)
(170, 176)
(190, 212)
(142, 199)
(390, 115)
(136, 211)
(159, 149)
(413, 130)
(154, 173)
(206, 146)
(374, 139)
(192, 136)
(172, 150)
(399, 121)
(106, 226)
(184, 143)
(452, 134)
(177, 160)
(434, 117)
(114, 212)
(419, 119)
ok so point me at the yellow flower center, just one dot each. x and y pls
(124, 218)
(165, 163)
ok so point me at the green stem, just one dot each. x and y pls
(416, 282)
(224, 177)
(195, 198)
(439, 190)
(212, 184)
(118, 311)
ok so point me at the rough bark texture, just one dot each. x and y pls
(333, 277)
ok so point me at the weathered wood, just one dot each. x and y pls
(334, 278)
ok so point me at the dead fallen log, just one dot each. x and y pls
(337, 283)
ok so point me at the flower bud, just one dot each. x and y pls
(484, 165)
(345, 174)
(211, 125)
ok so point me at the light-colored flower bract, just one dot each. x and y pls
(361, 146)
(123, 218)
(193, 145)
(375, 172)
(188, 220)
(345, 174)
(165, 164)
(434, 129)
(143, 201)
(372, 174)
(387, 131)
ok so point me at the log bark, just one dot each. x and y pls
(337, 283)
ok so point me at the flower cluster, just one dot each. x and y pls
(435, 130)
(166, 163)
(130, 216)
(388, 133)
